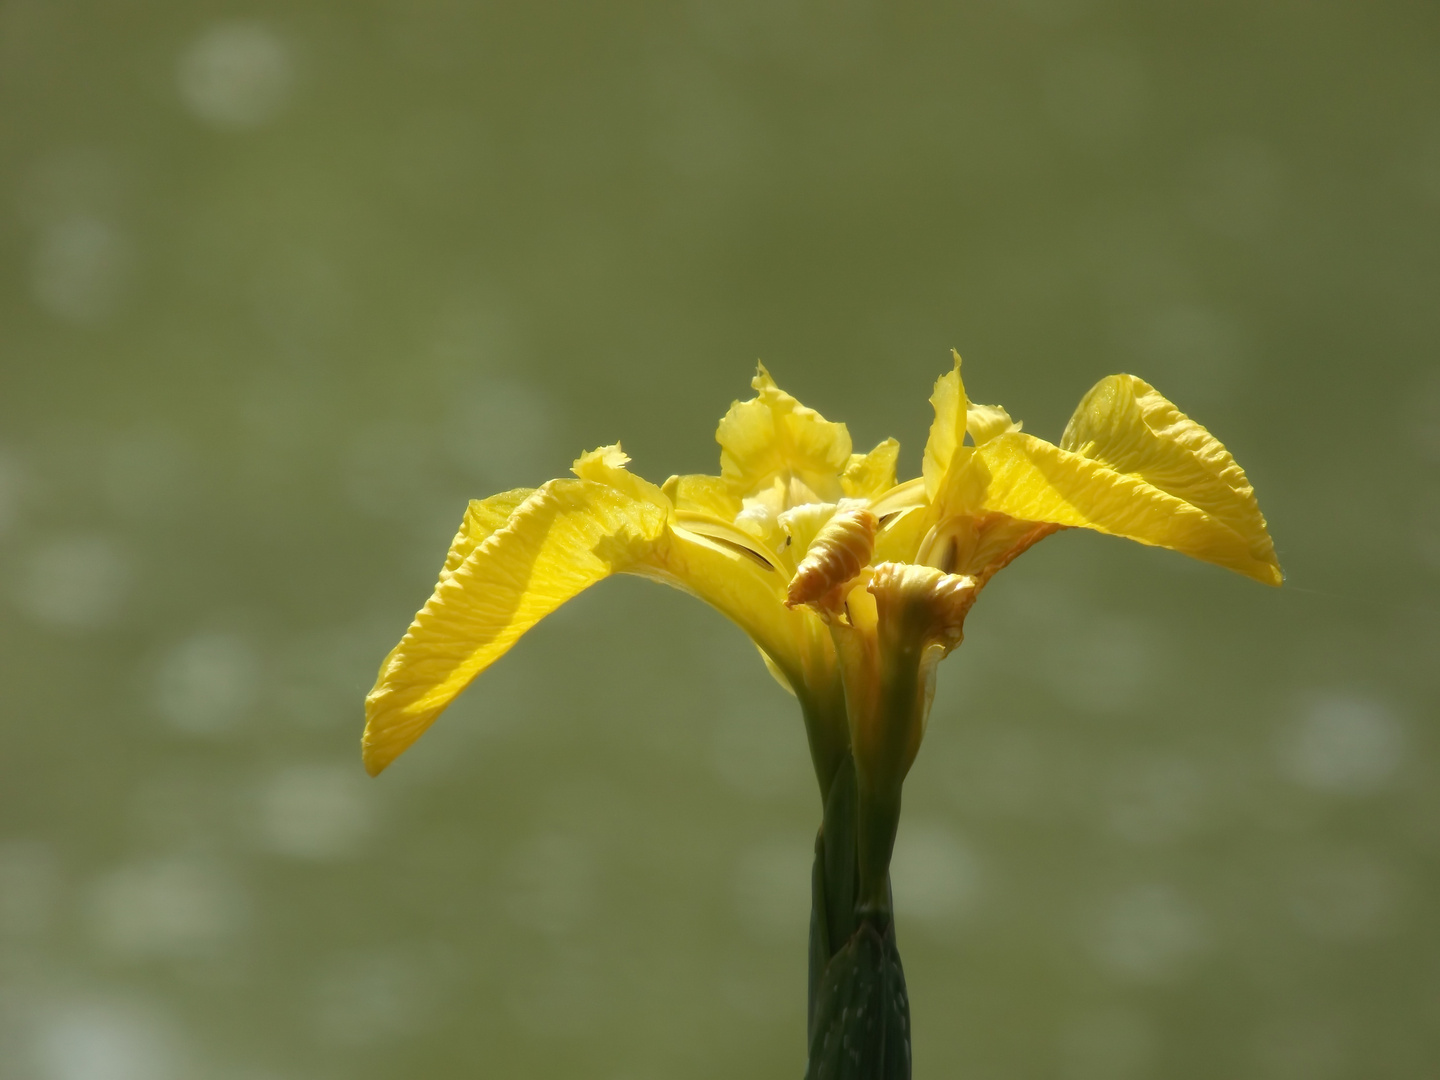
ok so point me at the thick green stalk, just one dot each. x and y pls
(859, 1025)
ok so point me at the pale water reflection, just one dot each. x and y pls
(314, 811)
(1343, 743)
(74, 582)
(207, 683)
(1113, 1043)
(117, 1039)
(80, 269)
(236, 75)
(174, 906)
(938, 880)
(1150, 933)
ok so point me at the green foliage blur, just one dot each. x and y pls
(282, 285)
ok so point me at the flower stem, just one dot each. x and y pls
(859, 1023)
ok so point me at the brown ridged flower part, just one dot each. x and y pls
(934, 602)
(840, 550)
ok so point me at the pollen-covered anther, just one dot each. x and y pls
(840, 550)
(930, 601)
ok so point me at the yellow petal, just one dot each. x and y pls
(1032, 480)
(1125, 423)
(775, 672)
(904, 519)
(482, 517)
(728, 535)
(947, 431)
(867, 475)
(565, 537)
(899, 537)
(607, 465)
(744, 589)
(981, 545)
(801, 524)
(984, 422)
(703, 494)
(772, 436)
(903, 496)
(962, 487)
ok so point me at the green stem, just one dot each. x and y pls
(859, 1015)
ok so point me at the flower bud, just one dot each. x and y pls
(840, 550)
(921, 603)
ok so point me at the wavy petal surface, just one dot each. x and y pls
(772, 436)
(1033, 480)
(482, 517)
(1131, 427)
(563, 538)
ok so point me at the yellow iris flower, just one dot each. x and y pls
(851, 585)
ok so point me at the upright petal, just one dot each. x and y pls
(772, 436)
(1126, 424)
(563, 538)
(1032, 480)
(869, 475)
(947, 431)
(984, 422)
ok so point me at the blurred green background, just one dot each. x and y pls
(283, 284)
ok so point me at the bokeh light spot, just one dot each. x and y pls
(1343, 744)
(1149, 934)
(937, 878)
(236, 75)
(207, 683)
(81, 269)
(75, 582)
(315, 812)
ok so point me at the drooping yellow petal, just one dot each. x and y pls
(868, 475)
(565, 537)
(1031, 480)
(772, 436)
(1125, 423)
(984, 422)
(947, 431)
(482, 517)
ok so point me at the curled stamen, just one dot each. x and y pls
(840, 550)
